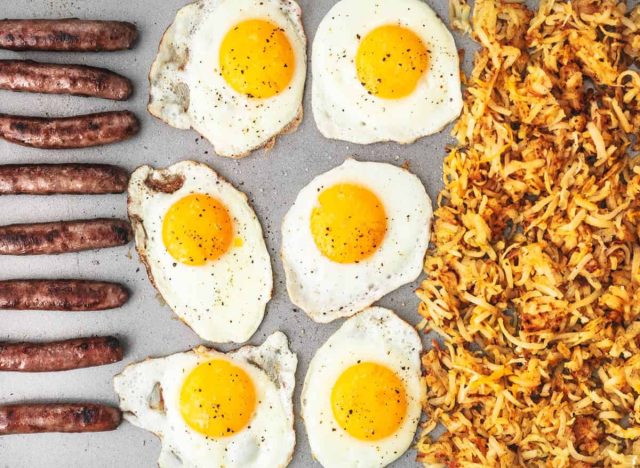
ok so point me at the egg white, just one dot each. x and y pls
(268, 440)
(374, 335)
(342, 107)
(223, 300)
(187, 89)
(328, 290)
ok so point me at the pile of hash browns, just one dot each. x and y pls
(533, 276)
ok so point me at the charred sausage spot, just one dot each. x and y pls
(112, 343)
(61, 36)
(122, 232)
(88, 416)
(52, 235)
(100, 83)
(20, 127)
(15, 241)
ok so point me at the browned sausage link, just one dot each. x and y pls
(64, 417)
(60, 355)
(69, 132)
(72, 35)
(63, 236)
(51, 78)
(47, 179)
(64, 295)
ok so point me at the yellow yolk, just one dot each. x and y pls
(197, 229)
(390, 61)
(217, 399)
(349, 223)
(369, 401)
(256, 59)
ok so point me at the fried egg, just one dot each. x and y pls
(354, 234)
(362, 395)
(384, 71)
(233, 70)
(203, 248)
(216, 409)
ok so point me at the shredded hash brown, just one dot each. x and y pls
(533, 276)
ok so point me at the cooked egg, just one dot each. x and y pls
(362, 395)
(384, 71)
(353, 235)
(233, 70)
(216, 409)
(203, 248)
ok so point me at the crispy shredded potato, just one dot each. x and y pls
(460, 16)
(533, 277)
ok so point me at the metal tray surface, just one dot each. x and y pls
(271, 179)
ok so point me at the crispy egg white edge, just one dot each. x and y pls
(337, 91)
(172, 58)
(258, 357)
(137, 179)
(322, 372)
(296, 277)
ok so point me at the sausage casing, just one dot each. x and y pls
(47, 179)
(62, 295)
(65, 417)
(60, 355)
(69, 132)
(51, 78)
(63, 236)
(70, 35)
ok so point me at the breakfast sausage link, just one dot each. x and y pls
(69, 132)
(63, 236)
(64, 417)
(51, 78)
(70, 35)
(47, 179)
(63, 295)
(60, 355)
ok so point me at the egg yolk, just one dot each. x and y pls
(196, 229)
(369, 401)
(348, 224)
(217, 399)
(390, 61)
(256, 59)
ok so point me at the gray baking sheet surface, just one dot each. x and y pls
(146, 326)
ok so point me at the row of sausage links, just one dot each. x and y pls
(77, 353)
(67, 295)
(25, 75)
(48, 238)
(59, 356)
